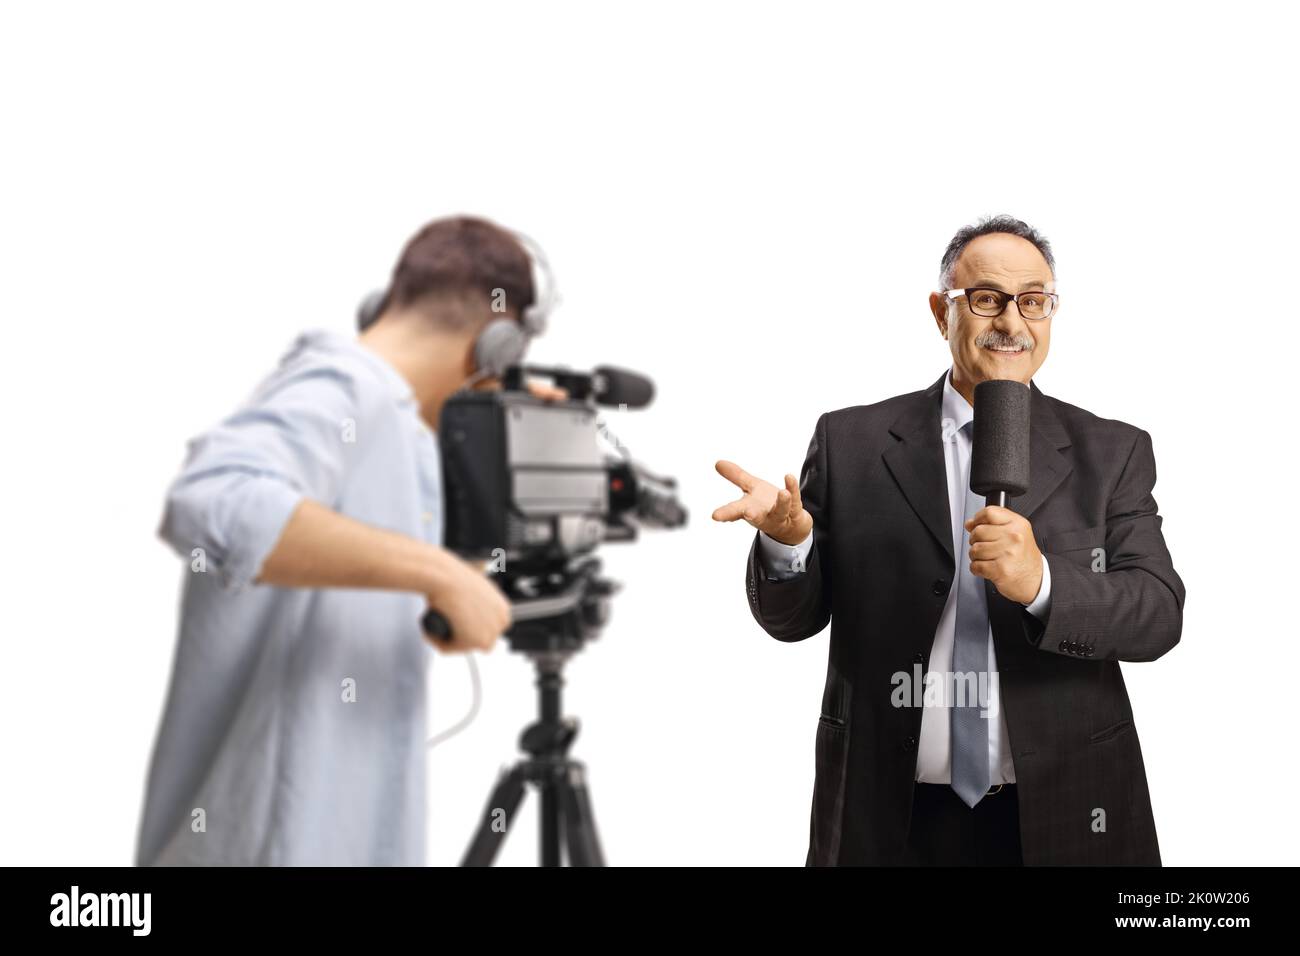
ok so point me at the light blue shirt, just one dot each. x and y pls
(934, 753)
(294, 726)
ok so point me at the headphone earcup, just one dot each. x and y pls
(535, 318)
(500, 345)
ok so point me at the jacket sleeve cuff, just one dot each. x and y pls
(783, 561)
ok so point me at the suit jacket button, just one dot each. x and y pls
(918, 659)
(909, 743)
(1062, 647)
(941, 586)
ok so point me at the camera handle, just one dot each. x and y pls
(528, 609)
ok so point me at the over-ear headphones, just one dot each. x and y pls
(503, 341)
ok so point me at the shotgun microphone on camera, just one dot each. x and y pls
(605, 385)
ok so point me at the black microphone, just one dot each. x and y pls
(999, 465)
(617, 386)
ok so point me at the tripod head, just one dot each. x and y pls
(559, 609)
(557, 606)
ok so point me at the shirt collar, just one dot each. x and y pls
(397, 385)
(955, 408)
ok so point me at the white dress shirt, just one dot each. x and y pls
(934, 755)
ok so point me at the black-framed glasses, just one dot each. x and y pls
(989, 303)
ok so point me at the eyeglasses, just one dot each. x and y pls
(992, 302)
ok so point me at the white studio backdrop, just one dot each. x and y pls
(747, 202)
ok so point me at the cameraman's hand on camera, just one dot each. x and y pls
(542, 390)
(476, 610)
(777, 512)
(547, 393)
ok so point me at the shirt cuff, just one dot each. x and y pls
(783, 561)
(264, 507)
(1038, 606)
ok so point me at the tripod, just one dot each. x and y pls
(550, 629)
(565, 803)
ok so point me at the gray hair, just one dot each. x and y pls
(988, 224)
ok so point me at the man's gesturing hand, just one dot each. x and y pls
(1002, 549)
(778, 513)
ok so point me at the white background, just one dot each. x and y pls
(747, 202)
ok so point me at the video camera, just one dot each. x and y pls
(530, 490)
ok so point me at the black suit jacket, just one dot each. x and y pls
(879, 571)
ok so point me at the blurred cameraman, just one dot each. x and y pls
(294, 727)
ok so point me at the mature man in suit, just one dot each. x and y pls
(974, 711)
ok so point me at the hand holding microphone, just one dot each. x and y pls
(1002, 549)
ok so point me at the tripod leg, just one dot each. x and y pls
(500, 811)
(552, 821)
(579, 823)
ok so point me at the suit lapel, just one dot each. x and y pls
(1047, 466)
(916, 461)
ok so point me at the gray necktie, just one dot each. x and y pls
(970, 655)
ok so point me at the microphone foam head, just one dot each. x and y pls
(618, 386)
(1000, 445)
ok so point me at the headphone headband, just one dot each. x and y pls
(546, 295)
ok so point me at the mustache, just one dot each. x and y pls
(992, 338)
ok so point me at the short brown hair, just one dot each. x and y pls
(463, 254)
